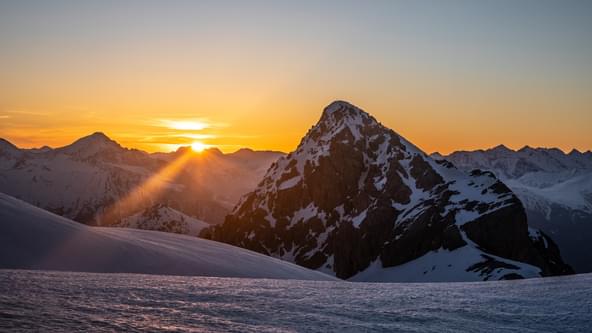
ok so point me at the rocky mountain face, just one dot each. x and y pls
(555, 188)
(357, 200)
(96, 181)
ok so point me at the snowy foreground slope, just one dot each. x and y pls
(359, 201)
(555, 188)
(32, 238)
(65, 301)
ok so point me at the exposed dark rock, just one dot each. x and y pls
(488, 265)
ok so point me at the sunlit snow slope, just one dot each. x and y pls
(32, 238)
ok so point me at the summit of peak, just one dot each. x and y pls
(526, 148)
(575, 152)
(342, 121)
(90, 144)
(340, 113)
(338, 109)
(244, 151)
(338, 105)
(501, 148)
(99, 134)
(95, 137)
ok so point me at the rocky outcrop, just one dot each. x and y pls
(354, 194)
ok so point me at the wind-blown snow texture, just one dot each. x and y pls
(60, 301)
(555, 188)
(86, 179)
(357, 200)
(32, 238)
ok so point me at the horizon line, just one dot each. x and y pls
(217, 147)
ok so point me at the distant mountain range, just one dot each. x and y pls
(555, 188)
(360, 202)
(95, 181)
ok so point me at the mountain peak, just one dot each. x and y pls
(5, 144)
(526, 148)
(214, 151)
(91, 144)
(338, 105)
(338, 110)
(355, 194)
(96, 137)
(340, 121)
(99, 135)
(575, 152)
(243, 152)
(501, 149)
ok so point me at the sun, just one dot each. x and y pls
(198, 147)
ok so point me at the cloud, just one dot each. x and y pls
(184, 138)
(27, 112)
(196, 136)
(185, 125)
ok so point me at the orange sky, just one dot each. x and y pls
(259, 76)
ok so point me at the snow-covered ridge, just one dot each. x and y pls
(32, 238)
(546, 174)
(513, 164)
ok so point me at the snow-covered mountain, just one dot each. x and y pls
(162, 218)
(555, 188)
(96, 181)
(359, 201)
(32, 238)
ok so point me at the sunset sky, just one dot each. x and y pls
(154, 75)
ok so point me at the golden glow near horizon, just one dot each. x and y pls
(146, 191)
(198, 147)
(156, 77)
